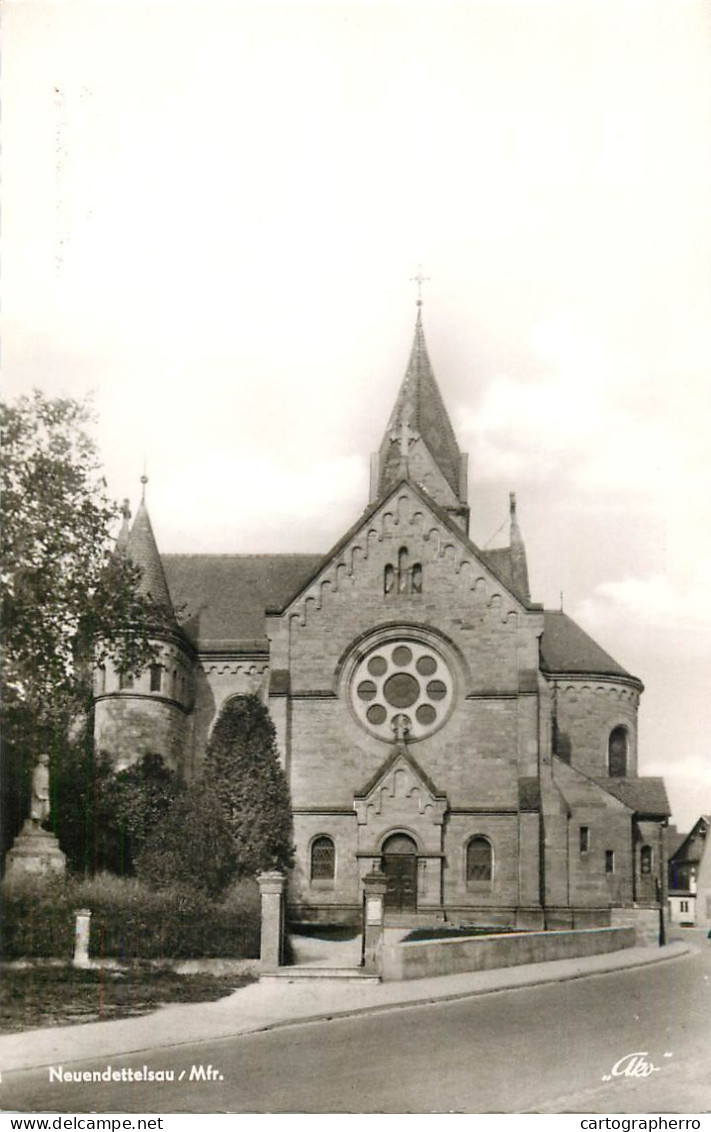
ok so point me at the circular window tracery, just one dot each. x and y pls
(401, 688)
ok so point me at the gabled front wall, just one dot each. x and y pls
(490, 643)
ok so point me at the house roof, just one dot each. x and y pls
(698, 830)
(646, 796)
(566, 648)
(224, 595)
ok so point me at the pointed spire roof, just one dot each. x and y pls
(142, 549)
(419, 413)
(519, 565)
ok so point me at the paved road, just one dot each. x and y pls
(545, 1049)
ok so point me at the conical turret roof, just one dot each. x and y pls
(420, 413)
(142, 549)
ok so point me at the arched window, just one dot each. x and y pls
(403, 578)
(617, 753)
(323, 859)
(645, 859)
(402, 570)
(156, 677)
(479, 861)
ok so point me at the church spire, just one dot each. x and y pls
(519, 566)
(142, 549)
(419, 441)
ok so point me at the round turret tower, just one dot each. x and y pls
(149, 713)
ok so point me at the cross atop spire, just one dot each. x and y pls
(419, 279)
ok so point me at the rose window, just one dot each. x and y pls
(402, 688)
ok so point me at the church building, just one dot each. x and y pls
(433, 720)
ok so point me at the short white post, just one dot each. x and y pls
(81, 937)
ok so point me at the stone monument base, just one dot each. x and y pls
(35, 855)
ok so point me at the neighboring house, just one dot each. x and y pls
(432, 718)
(690, 877)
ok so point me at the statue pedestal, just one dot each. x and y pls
(35, 854)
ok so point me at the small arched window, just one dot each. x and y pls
(645, 859)
(323, 859)
(389, 581)
(617, 753)
(480, 861)
(402, 570)
(417, 578)
(156, 677)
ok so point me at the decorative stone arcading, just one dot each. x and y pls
(610, 690)
(400, 786)
(404, 518)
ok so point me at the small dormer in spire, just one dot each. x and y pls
(519, 566)
(419, 441)
(142, 549)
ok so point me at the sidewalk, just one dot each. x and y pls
(266, 1006)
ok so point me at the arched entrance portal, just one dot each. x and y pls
(400, 867)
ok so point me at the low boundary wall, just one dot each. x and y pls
(421, 959)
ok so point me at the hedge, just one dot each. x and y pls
(129, 921)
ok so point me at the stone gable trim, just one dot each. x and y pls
(385, 517)
(371, 796)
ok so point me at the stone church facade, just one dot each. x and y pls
(432, 719)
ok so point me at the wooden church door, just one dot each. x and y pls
(400, 868)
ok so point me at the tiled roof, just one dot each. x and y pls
(420, 406)
(140, 546)
(643, 795)
(568, 648)
(224, 595)
(499, 561)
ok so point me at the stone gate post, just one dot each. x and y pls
(271, 886)
(374, 888)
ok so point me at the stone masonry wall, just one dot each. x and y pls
(587, 711)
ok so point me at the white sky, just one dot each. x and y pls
(211, 216)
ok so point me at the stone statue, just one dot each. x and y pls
(39, 806)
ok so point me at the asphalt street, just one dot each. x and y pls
(558, 1048)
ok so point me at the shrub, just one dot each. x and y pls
(129, 921)
(192, 845)
(242, 763)
(37, 921)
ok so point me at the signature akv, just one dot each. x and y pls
(634, 1065)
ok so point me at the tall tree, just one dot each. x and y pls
(242, 766)
(68, 601)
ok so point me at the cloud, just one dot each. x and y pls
(654, 603)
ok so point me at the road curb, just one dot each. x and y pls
(429, 1000)
(681, 951)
